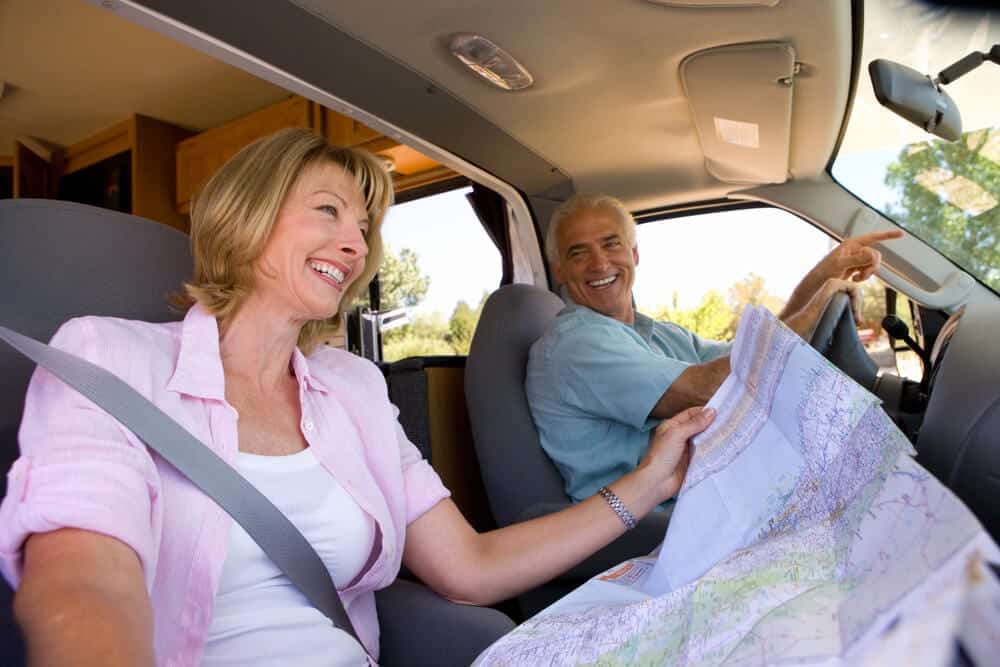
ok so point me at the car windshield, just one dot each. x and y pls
(947, 194)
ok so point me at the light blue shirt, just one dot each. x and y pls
(591, 384)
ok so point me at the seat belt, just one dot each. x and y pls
(266, 524)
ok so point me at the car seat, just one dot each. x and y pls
(521, 481)
(59, 260)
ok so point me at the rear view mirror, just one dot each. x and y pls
(915, 97)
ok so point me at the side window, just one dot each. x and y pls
(700, 271)
(438, 269)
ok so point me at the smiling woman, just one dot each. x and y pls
(295, 183)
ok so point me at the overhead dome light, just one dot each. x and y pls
(490, 61)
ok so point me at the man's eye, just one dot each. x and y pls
(612, 244)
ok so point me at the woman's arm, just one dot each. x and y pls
(82, 601)
(463, 565)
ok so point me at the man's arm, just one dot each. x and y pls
(699, 381)
(854, 259)
(692, 387)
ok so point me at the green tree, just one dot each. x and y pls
(712, 318)
(425, 335)
(400, 279)
(431, 335)
(462, 324)
(950, 197)
(751, 291)
(872, 305)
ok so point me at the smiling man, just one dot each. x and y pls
(604, 375)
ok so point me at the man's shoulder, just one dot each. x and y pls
(576, 323)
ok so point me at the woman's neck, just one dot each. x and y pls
(256, 346)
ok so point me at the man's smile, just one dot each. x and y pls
(602, 282)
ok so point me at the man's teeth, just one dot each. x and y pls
(603, 281)
(328, 270)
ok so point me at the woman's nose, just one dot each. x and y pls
(354, 243)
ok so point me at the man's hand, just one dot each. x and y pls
(854, 261)
(669, 452)
(804, 322)
(855, 258)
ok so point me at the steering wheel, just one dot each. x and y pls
(836, 338)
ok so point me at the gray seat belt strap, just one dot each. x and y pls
(264, 522)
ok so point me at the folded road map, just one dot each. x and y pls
(805, 533)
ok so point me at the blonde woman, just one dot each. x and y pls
(119, 560)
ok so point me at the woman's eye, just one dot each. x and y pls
(328, 209)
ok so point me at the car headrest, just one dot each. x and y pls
(60, 260)
(516, 471)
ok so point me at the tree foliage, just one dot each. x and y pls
(711, 318)
(432, 335)
(950, 197)
(400, 279)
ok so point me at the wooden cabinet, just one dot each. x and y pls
(127, 167)
(6, 177)
(342, 130)
(200, 156)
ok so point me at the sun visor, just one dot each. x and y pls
(717, 3)
(741, 102)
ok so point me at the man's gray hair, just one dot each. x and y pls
(577, 203)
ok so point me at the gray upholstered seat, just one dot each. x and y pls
(59, 260)
(521, 481)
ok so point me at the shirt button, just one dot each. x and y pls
(309, 426)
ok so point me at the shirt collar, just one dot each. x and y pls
(199, 366)
(300, 364)
(643, 325)
(199, 371)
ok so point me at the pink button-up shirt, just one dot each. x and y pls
(80, 468)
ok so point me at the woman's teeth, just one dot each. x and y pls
(327, 270)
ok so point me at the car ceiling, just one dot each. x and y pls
(608, 111)
(608, 108)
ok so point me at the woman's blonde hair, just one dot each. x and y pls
(233, 216)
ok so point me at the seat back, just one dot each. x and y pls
(59, 260)
(517, 473)
(429, 392)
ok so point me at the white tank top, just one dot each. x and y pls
(260, 617)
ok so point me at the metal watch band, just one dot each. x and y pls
(618, 506)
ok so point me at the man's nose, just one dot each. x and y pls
(598, 260)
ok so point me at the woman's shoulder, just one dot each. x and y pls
(333, 362)
(114, 339)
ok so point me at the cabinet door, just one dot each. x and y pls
(34, 176)
(200, 156)
(342, 130)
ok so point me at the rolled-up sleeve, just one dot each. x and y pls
(78, 468)
(612, 376)
(424, 488)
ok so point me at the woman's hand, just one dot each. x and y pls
(463, 565)
(666, 460)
